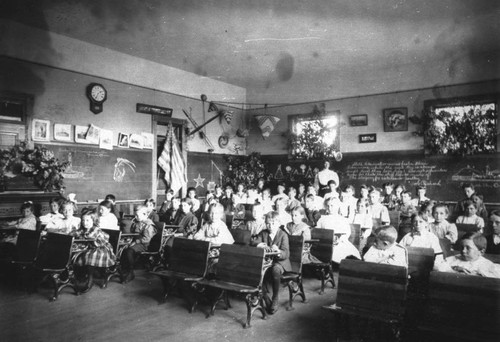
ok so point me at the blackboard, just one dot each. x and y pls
(443, 175)
(207, 168)
(93, 172)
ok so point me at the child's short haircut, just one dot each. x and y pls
(348, 187)
(191, 189)
(391, 184)
(112, 197)
(228, 186)
(421, 186)
(468, 203)
(387, 233)
(299, 210)
(189, 201)
(407, 192)
(331, 181)
(373, 189)
(292, 188)
(468, 185)
(150, 200)
(428, 204)
(441, 205)
(495, 212)
(272, 215)
(478, 239)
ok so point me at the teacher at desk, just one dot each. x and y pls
(322, 178)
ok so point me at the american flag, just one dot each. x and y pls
(172, 163)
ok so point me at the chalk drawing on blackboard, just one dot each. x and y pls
(199, 181)
(70, 173)
(120, 169)
(279, 173)
(470, 174)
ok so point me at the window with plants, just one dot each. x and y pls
(461, 128)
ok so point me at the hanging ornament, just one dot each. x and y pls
(338, 156)
(279, 173)
(309, 173)
(228, 116)
(267, 124)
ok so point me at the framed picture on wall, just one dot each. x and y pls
(395, 119)
(81, 134)
(123, 140)
(358, 120)
(62, 132)
(41, 130)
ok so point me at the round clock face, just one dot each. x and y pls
(98, 93)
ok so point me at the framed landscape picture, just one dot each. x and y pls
(395, 119)
(358, 120)
(62, 132)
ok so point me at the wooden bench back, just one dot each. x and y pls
(420, 261)
(296, 245)
(374, 290)
(463, 228)
(55, 252)
(241, 265)
(323, 248)
(28, 242)
(241, 236)
(189, 256)
(394, 218)
(463, 306)
(355, 234)
(114, 238)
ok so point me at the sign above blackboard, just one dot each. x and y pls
(155, 110)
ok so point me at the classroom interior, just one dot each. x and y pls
(231, 80)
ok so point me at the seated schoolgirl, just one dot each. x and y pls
(398, 191)
(257, 224)
(470, 216)
(189, 223)
(493, 246)
(54, 213)
(385, 250)
(364, 191)
(191, 194)
(312, 211)
(227, 200)
(215, 230)
(241, 195)
(333, 220)
(420, 236)
(252, 196)
(298, 226)
(265, 200)
(281, 192)
(275, 239)
(146, 229)
(301, 193)
(421, 198)
(406, 210)
(100, 254)
(293, 202)
(174, 214)
(349, 203)
(68, 223)
(380, 214)
(469, 191)
(26, 221)
(218, 193)
(107, 220)
(470, 260)
(428, 208)
(481, 209)
(332, 190)
(389, 198)
(441, 227)
(167, 204)
(363, 217)
(150, 204)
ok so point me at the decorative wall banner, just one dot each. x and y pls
(367, 138)
(358, 120)
(154, 110)
(267, 124)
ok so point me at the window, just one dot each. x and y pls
(462, 126)
(314, 136)
(15, 109)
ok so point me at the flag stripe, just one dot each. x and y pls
(178, 175)
(164, 158)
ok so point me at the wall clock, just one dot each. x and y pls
(97, 94)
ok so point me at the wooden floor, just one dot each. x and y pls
(132, 312)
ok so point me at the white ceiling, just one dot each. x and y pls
(293, 50)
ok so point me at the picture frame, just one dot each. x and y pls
(93, 135)
(148, 140)
(395, 119)
(62, 132)
(136, 141)
(81, 134)
(41, 130)
(153, 110)
(123, 140)
(368, 138)
(106, 139)
(358, 120)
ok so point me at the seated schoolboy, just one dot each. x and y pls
(332, 190)
(406, 209)
(215, 230)
(68, 223)
(470, 216)
(173, 215)
(26, 221)
(421, 198)
(380, 214)
(191, 194)
(470, 260)
(493, 240)
(385, 250)
(241, 195)
(318, 200)
(348, 203)
(364, 191)
(312, 211)
(107, 220)
(301, 193)
(252, 196)
(398, 191)
(227, 200)
(265, 200)
(150, 203)
(469, 191)
(258, 223)
(189, 223)
(167, 204)
(441, 227)
(420, 236)
(298, 226)
(218, 193)
(481, 209)
(54, 213)
(146, 229)
(276, 240)
(389, 198)
(363, 217)
(333, 220)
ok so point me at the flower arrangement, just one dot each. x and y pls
(246, 170)
(461, 130)
(38, 164)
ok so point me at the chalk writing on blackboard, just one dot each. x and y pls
(414, 172)
(120, 169)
